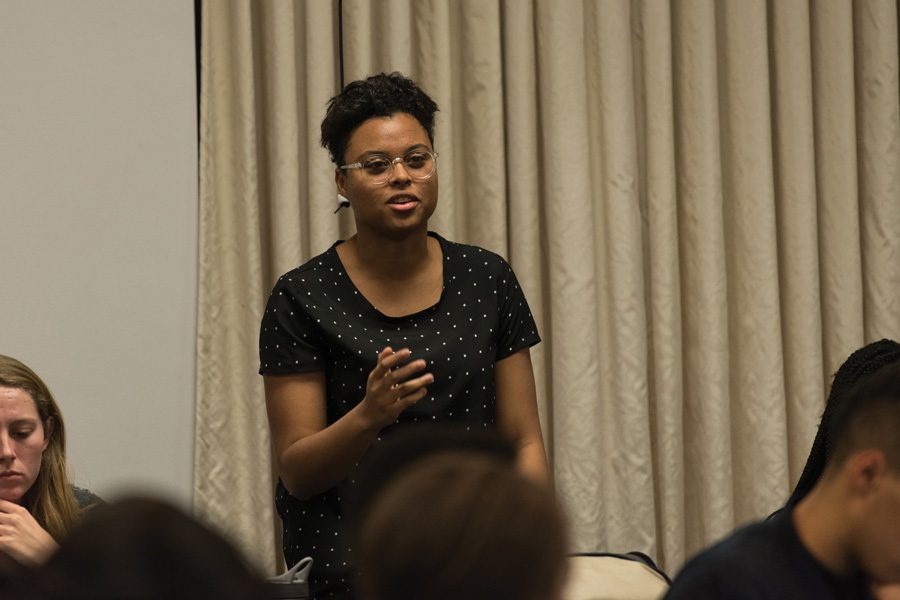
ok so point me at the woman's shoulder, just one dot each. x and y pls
(296, 277)
(471, 255)
(84, 497)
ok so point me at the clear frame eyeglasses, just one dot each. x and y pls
(377, 168)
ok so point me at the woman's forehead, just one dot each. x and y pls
(16, 404)
(391, 135)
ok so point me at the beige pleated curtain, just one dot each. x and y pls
(701, 199)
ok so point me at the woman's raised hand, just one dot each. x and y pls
(21, 537)
(392, 386)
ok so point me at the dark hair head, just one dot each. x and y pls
(145, 549)
(859, 364)
(380, 95)
(868, 418)
(17, 581)
(403, 447)
(462, 524)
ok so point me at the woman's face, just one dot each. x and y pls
(402, 204)
(22, 443)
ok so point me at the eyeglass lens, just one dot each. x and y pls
(419, 164)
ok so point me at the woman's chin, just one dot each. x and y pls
(13, 495)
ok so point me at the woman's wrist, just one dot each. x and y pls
(370, 422)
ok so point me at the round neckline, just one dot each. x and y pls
(368, 304)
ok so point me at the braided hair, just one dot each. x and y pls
(862, 363)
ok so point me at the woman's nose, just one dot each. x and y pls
(398, 171)
(6, 449)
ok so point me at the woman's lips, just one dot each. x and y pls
(403, 203)
(10, 474)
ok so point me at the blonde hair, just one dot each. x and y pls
(50, 499)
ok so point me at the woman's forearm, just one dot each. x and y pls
(517, 413)
(318, 462)
(314, 456)
(532, 460)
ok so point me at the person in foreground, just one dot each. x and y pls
(37, 503)
(860, 364)
(462, 524)
(393, 326)
(144, 548)
(839, 541)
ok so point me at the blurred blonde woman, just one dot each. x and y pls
(37, 503)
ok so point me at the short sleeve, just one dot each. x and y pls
(290, 340)
(517, 327)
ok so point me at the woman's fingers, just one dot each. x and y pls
(413, 386)
(410, 399)
(401, 375)
(390, 372)
(20, 535)
(388, 361)
(396, 382)
(381, 366)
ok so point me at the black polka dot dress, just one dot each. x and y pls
(316, 320)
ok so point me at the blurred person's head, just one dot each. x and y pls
(399, 449)
(17, 580)
(860, 488)
(147, 549)
(33, 469)
(462, 524)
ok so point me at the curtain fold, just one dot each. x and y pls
(232, 482)
(878, 146)
(701, 200)
(794, 179)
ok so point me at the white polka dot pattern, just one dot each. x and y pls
(316, 319)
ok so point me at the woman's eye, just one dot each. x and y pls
(22, 434)
(416, 161)
(376, 165)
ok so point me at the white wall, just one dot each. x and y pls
(98, 228)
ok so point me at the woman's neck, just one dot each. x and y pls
(387, 259)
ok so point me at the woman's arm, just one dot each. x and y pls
(313, 456)
(517, 413)
(21, 537)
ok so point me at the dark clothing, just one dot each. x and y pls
(85, 498)
(316, 320)
(763, 561)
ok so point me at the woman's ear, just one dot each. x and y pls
(340, 181)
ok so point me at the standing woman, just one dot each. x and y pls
(37, 504)
(391, 327)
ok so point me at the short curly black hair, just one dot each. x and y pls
(380, 95)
